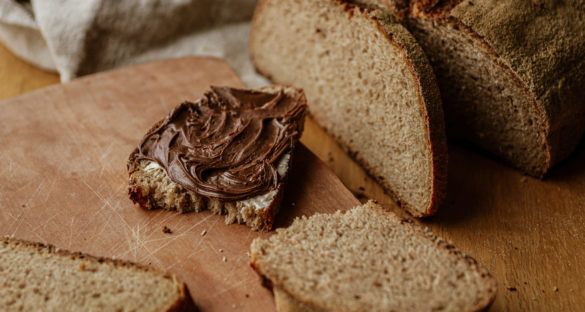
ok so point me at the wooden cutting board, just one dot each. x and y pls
(63, 180)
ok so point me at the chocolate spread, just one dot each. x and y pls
(227, 144)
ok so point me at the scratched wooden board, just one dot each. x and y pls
(63, 180)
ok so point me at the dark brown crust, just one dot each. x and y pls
(550, 78)
(184, 302)
(561, 119)
(424, 232)
(431, 109)
(435, 8)
(269, 284)
(274, 206)
(539, 172)
(551, 64)
(452, 250)
(431, 105)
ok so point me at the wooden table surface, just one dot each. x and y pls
(529, 233)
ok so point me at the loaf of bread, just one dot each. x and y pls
(37, 277)
(367, 82)
(367, 259)
(229, 152)
(511, 73)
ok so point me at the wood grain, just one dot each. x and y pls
(529, 233)
(64, 180)
(18, 77)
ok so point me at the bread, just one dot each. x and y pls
(368, 259)
(151, 187)
(37, 277)
(368, 83)
(511, 73)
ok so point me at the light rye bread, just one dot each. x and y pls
(151, 188)
(368, 83)
(37, 277)
(368, 259)
(511, 73)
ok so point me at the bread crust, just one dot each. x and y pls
(429, 98)
(549, 67)
(183, 302)
(300, 304)
(430, 105)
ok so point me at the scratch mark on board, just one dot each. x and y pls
(107, 204)
(233, 286)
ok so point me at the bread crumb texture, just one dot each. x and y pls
(367, 83)
(367, 259)
(35, 277)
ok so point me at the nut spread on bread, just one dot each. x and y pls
(228, 152)
(226, 145)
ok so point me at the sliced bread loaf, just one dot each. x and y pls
(229, 152)
(367, 82)
(511, 73)
(367, 259)
(37, 277)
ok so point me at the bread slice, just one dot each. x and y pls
(151, 187)
(511, 73)
(368, 83)
(37, 277)
(368, 259)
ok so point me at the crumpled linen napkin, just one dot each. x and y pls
(77, 38)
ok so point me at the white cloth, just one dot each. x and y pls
(80, 37)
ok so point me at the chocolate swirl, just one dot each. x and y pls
(227, 144)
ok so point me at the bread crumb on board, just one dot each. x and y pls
(224, 259)
(203, 232)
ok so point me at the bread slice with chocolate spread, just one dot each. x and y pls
(228, 152)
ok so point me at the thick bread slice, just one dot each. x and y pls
(368, 259)
(368, 83)
(151, 188)
(37, 277)
(511, 73)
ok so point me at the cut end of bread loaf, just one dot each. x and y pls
(37, 277)
(484, 102)
(517, 96)
(368, 84)
(368, 259)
